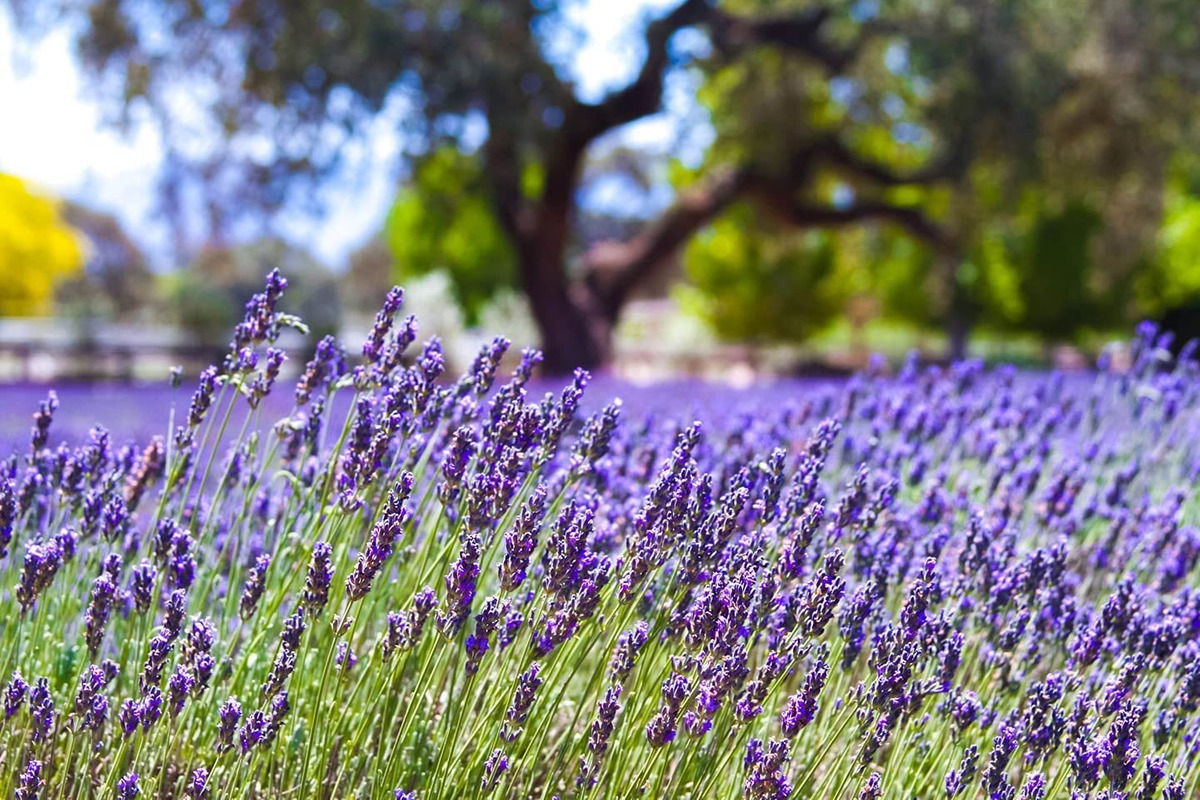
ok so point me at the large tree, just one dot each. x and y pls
(883, 95)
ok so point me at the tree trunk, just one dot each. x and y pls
(573, 335)
(958, 332)
(575, 330)
(957, 309)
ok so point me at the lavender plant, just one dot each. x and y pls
(944, 583)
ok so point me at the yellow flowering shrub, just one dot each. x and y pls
(37, 249)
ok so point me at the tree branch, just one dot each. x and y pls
(502, 174)
(643, 96)
(731, 34)
(780, 200)
(812, 216)
(950, 165)
(613, 269)
(799, 32)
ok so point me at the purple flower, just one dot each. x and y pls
(320, 576)
(41, 563)
(253, 731)
(802, 706)
(91, 683)
(493, 769)
(230, 714)
(148, 470)
(130, 716)
(323, 369)
(872, 788)
(520, 542)
(42, 420)
(30, 783)
(602, 728)
(14, 695)
(179, 686)
(256, 582)
(260, 385)
(405, 627)
(1034, 788)
(346, 659)
(822, 594)
(278, 712)
(957, 780)
(766, 776)
(661, 728)
(455, 463)
(1174, 790)
(460, 584)
(518, 709)
(478, 643)
(41, 709)
(141, 586)
(373, 347)
(127, 787)
(628, 645)
(203, 396)
(285, 660)
(1120, 751)
(8, 514)
(197, 787)
(260, 322)
(150, 709)
(383, 538)
(1156, 770)
(557, 417)
(104, 591)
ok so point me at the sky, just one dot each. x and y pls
(52, 134)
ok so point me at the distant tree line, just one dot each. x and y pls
(1013, 163)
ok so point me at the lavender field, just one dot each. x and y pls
(390, 582)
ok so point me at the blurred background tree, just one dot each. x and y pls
(369, 274)
(1005, 163)
(37, 249)
(209, 294)
(442, 221)
(116, 282)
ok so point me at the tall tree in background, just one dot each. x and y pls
(1063, 118)
(826, 115)
(116, 282)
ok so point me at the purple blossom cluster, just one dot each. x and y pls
(942, 582)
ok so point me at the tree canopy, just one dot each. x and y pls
(442, 221)
(932, 121)
(210, 294)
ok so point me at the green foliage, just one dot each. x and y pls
(751, 283)
(901, 270)
(1173, 281)
(1067, 113)
(201, 307)
(1082, 104)
(210, 293)
(443, 221)
(1054, 276)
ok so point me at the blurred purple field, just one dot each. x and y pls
(130, 411)
(139, 411)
